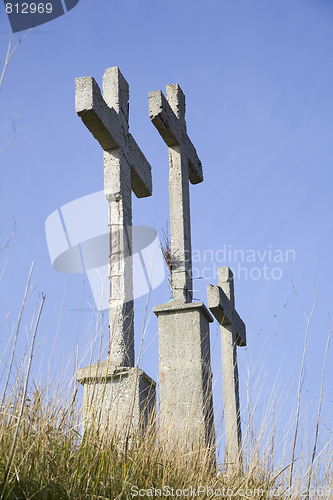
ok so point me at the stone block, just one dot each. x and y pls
(118, 400)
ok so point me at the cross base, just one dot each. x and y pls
(120, 401)
(186, 406)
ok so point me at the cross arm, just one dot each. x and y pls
(164, 118)
(221, 307)
(167, 124)
(141, 178)
(194, 164)
(96, 115)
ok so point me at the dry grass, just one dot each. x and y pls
(53, 460)
(44, 454)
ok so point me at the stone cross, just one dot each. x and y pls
(168, 116)
(125, 170)
(186, 417)
(221, 302)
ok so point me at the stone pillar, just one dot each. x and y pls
(186, 411)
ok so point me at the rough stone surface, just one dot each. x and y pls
(125, 169)
(168, 116)
(121, 401)
(186, 410)
(221, 302)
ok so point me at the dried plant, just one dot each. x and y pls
(166, 250)
(167, 255)
(11, 49)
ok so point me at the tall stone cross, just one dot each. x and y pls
(221, 302)
(168, 116)
(186, 401)
(125, 170)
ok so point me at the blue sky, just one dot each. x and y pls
(257, 77)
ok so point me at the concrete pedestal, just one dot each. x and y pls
(118, 400)
(186, 400)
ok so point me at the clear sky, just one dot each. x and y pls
(258, 79)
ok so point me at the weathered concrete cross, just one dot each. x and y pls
(125, 169)
(221, 302)
(168, 116)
